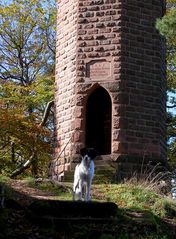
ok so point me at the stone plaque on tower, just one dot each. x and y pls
(98, 70)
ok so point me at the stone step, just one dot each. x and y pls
(105, 170)
(100, 170)
(105, 173)
(100, 179)
(102, 174)
(104, 167)
(45, 221)
(108, 171)
(98, 165)
(73, 209)
(133, 167)
(104, 157)
(103, 160)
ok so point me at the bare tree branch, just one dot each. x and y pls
(171, 106)
(26, 165)
(46, 113)
(13, 152)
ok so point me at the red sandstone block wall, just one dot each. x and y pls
(121, 35)
(143, 73)
(65, 71)
(124, 33)
(99, 37)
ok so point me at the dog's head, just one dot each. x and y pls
(88, 154)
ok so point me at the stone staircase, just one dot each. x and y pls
(105, 171)
(48, 212)
(109, 171)
(58, 213)
(57, 218)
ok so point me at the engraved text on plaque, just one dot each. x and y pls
(98, 69)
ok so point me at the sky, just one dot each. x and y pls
(6, 1)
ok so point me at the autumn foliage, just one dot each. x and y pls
(27, 55)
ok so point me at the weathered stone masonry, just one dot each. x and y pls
(111, 48)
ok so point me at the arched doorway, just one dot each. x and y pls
(98, 121)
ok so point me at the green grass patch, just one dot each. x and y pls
(127, 196)
(135, 197)
(3, 179)
(59, 190)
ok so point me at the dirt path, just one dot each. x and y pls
(26, 194)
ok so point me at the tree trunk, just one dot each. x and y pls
(32, 160)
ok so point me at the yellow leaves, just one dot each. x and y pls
(13, 94)
(171, 1)
(23, 129)
(17, 122)
(38, 93)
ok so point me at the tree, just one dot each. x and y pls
(25, 42)
(167, 27)
(27, 52)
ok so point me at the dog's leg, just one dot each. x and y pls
(87, 194)
(75, 188)
(74, 192)
(73, 196)
(80, 188)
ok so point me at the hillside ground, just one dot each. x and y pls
(143, 211)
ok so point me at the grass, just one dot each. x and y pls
(3, 179)
(128, 196)
(60, 191)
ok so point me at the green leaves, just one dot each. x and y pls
(167, 27)
(24, 50)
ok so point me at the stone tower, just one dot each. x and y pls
(110, 80)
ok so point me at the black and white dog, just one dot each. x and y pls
(84, 173)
